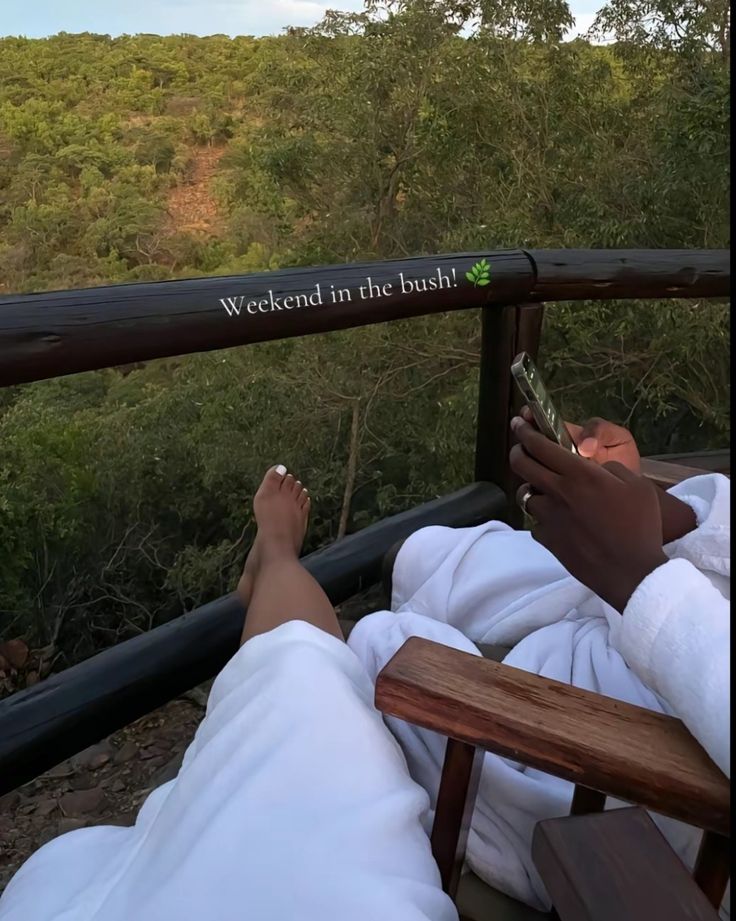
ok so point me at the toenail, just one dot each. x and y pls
(281, 470)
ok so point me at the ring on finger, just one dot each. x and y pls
(524, 498)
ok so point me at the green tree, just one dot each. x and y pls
(422, 127)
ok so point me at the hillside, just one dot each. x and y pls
(124, 494)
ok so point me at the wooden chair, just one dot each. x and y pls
(613, 865)
(603, 746)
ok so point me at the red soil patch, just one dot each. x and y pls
(191, 207)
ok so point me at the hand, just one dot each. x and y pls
(603, 523)
(601, 441)
(678, 518)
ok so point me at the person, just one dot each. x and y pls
(620, 588)
(295, 800)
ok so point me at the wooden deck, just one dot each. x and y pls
(669, 469)
(712, 461)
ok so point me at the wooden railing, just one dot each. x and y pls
(54, 719)
(63, 332)
(58, 333)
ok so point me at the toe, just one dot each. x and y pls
(274, 478)
(303, 498)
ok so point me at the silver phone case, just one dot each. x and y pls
(548, 419)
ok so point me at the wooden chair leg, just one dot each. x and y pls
(713, 866)
(585, 801)
(455, 802)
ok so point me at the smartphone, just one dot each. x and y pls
(549, 421)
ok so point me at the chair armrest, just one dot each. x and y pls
(600, 743)
(666, 474)
(615, 865)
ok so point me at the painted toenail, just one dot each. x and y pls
(281, 470)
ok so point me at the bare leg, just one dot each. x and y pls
(275, 587)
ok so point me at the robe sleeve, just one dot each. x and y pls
(675, 631)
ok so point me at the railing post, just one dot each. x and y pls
(505, 331)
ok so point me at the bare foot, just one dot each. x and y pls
(281, 508)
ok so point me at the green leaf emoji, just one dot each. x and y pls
(479, 275)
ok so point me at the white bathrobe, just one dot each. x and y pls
(669, 652)
(294, 802)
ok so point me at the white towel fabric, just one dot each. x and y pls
(293, 804)
(493, 585)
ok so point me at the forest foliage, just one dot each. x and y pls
(414, 127)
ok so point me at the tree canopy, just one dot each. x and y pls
(413, 127)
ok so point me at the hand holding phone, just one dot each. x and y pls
(602, 522)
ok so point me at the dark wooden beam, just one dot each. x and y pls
(666, 474)
(492, 436)
(601, 274)
(64, 332)
(505, 331)
(705, 461)
(62, 715)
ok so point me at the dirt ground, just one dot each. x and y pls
(191, 206)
